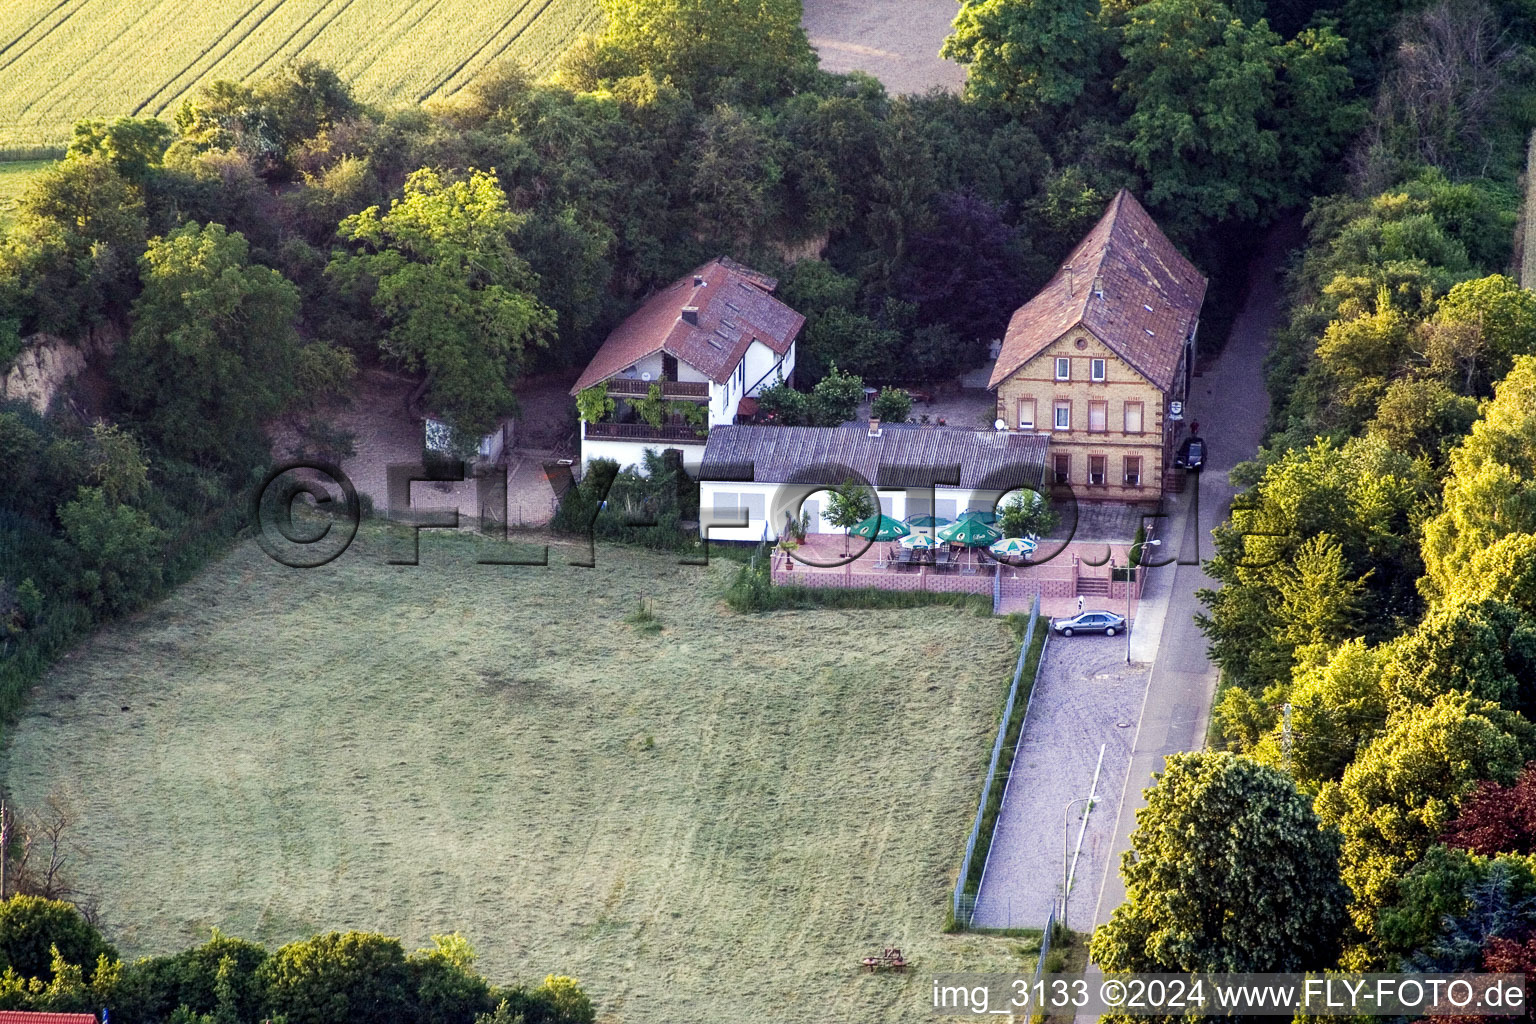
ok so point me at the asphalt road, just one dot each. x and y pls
(1231, 404)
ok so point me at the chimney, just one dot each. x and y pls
(874, 427)
(1070, 290)
(691, 315)
(1098, 287)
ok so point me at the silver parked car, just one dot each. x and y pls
(1107, 623)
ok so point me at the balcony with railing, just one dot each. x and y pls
(679, 433)
(634, 387)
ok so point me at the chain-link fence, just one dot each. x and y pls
(965, 901)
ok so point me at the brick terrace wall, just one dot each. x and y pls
(1038, 586)
(943, 583)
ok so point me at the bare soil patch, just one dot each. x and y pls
(897, 41)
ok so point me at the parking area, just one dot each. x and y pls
(1086, 698)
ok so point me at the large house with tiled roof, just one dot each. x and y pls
(1100, 359)
(712, 340)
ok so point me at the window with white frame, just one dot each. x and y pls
(1098, 417)
(1063, 415)
(1096, 369)
(1026, 414)
(726, 507)
(1096, 469)
(1063, 368)
(1133, 471)
(1133, 418)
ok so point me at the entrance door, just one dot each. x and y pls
(812, 508)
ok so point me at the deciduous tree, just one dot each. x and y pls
(1497, 819)
(1228, 870)
(31, 927)
(213, 351)
(754, 50)
(1491, 492)
(118, 550)
(1030, 55)
(353, 976)
(1226, 119)
(1338, 707)
(1401, 790)
(1486, 648)
(848, 505)
(459, 302)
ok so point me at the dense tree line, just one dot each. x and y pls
(1376, 627)
(54, 960)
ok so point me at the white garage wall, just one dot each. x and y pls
(721, 502)
(632, 453)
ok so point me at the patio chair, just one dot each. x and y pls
(904, 559)
(941, 559)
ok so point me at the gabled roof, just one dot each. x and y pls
(1151, 297)
(735, 307)
(902, 456)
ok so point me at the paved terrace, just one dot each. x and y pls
(1063, 572)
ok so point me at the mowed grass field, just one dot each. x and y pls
(711, 823)
(61, 60)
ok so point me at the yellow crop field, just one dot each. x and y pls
(61, 60)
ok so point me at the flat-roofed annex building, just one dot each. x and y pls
(753, 477)
(1098, 357)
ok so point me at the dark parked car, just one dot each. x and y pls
(1107, 623)
(1192, 453)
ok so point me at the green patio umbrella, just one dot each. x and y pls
(973, 533)
(980, 515)
(928, 521)
(880, 527)
(1013, 547)
(918, 540)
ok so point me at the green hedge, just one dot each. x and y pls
(753, 590)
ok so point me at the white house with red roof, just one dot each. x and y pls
(712, 340)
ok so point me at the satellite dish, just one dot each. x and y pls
(1000, 425)
(645, 376)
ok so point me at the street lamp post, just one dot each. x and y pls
(1066, 828)
(1137, 567)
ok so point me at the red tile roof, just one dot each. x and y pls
(28, 1017)
(1151, 297)
(735, 307)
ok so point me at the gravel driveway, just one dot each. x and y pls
(1086, 697)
